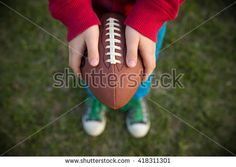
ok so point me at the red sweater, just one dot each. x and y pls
(145, 16)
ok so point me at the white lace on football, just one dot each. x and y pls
(112, 26)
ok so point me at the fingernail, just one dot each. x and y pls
(94, 62)
(131, 63)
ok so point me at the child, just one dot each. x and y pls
(145, 23)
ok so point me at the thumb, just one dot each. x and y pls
(132, 40)
(92, 47)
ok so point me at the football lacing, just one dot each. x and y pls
(113, 25)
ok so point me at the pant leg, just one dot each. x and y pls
(89, 92)
(145, 87)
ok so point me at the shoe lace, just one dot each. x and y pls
(96, 110)
(137, 111)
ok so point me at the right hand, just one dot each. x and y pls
(87, 39)
(136, 41)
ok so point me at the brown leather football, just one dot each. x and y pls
(112, 81)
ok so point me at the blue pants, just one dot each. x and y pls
(145, 87)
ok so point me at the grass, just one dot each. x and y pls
(207, 57)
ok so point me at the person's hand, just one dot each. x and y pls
(87, 39)
(137, 42)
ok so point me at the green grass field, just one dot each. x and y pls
(29, 57)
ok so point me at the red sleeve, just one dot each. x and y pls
(147, 16)
(76, 15)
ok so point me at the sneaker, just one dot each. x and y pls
(137, 120)
(93, 119)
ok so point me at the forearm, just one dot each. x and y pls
(147, 16)
(76, 15)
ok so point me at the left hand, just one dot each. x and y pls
(137, 42)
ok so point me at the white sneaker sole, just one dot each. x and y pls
(138, 130)
(94, 128)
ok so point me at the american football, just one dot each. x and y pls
(112, 82)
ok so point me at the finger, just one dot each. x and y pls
(132, 40)
(149, 66)
(149, 60)
(91, 41)
(74, 62)
(76, 49)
